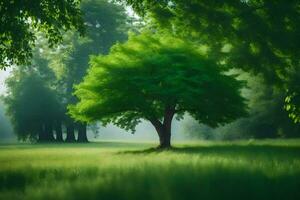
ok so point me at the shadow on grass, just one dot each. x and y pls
(223, 150)
(91, 144)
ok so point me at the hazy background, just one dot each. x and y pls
(3, 76)
(144, 131)
(6, 131)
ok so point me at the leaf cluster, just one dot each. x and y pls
(21, 20)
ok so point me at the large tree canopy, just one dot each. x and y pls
(260, 36)
(21, 20)
(154, 78)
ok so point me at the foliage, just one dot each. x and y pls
(292, 100)
(31, 102)
(266, 119)
(21, 20)
(262, 170)
(105, 24)
(153, 77)
(54, 71)
(257, 36)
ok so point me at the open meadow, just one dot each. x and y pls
(255, 169)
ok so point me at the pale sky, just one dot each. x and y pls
(3, 76)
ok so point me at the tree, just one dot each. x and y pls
(261, 37)
(31, 106)
(31, 103)
(154, 78)
(105, 24)
(266, 118)
(21, 20)
(6, 130)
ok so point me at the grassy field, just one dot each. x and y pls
(265, 169)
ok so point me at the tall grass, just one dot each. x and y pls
(206, 170)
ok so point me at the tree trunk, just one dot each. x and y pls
(164, 129)
(70, 133)
(164, 139)
(46, 133)
(58, 131)
(49, 132)
(82, 136)
(42, 135)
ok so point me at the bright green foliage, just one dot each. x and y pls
(292, 100)
(21, 20)
(153, 77)
(292, 106)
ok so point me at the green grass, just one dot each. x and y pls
(268, 169)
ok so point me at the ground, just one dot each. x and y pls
(265, 169)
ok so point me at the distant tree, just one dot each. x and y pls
(6, 127)
(266, 119)
(32, 104)
(21, 20)
(31, 107)
(105, 23)
(154, 78)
